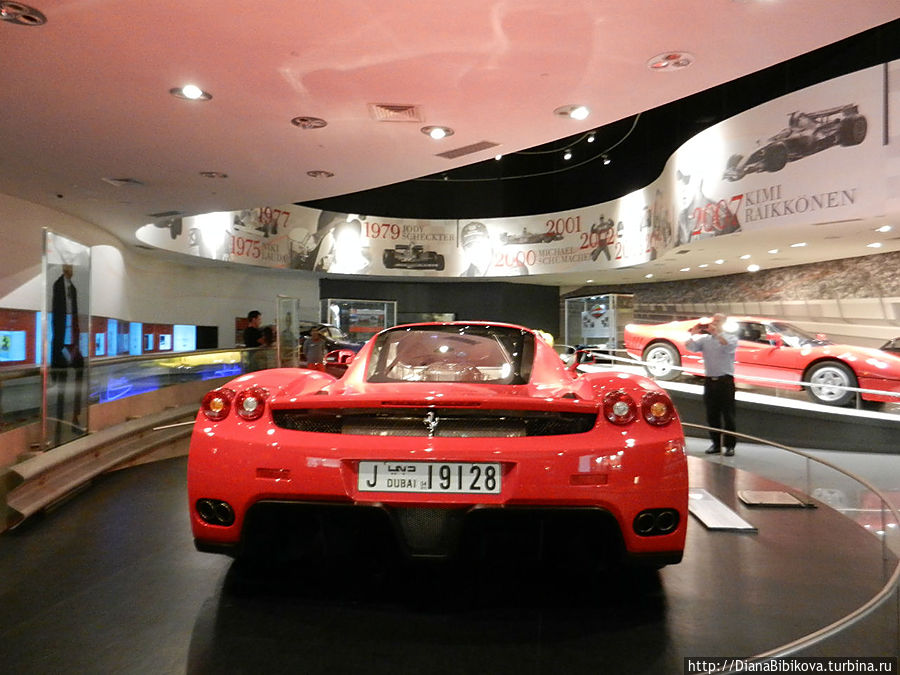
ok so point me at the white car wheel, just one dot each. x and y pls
(661, 361)
(827, 381)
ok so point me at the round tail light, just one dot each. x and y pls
(250, 404)
(619, 407)
(657, 408)
(217, 404)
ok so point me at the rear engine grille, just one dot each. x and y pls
(444, 423)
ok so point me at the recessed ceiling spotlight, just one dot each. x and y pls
(753, 268)
(648, 276)
(319, 173)
(883, 228)
(719, 261)
(437, 133)
(190, 92)
(576, 112)
(589, 281)
(498, 157)
(746, 256)
(670, 61)
(590, 138)
(874, 244)
(213, 174)
(22, 15)
(568, 155)
(799, 244)
(703, 266)
(309, 122)
(685, 269)
(606, 159)
(773, 251)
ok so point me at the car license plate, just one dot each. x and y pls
(430, 477)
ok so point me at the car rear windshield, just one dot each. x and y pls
(452, 353)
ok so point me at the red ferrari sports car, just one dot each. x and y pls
(774, 350)
(439, 438)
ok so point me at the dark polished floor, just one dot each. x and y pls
(110, 583)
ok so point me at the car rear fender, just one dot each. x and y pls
(298, 381)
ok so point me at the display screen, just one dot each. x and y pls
(112, 335)
(38, 340)
(99, 344)
(148, 342)
(165, 342)
(184, 337)
(134, 338)
(12, 345)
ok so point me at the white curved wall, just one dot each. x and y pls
(128, 285)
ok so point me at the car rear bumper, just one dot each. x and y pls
(625, 474)
(293, 530)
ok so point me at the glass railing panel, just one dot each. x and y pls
(20, 397)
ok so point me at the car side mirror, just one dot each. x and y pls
(582, 356)
(775, 339)
(576, 359)
(566, 354)
(340, 356)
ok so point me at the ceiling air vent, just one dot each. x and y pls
(166, 214)
(467, 149)
(387, 112)
(122, 182)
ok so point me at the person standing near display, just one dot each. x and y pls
(718, 348)
(314, 348)
(253, 335)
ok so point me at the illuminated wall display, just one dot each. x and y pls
(20, 338)
(12, 345)
(184, 338)
(135, 333)
(811, 156)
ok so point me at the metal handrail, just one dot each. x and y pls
(891, 586)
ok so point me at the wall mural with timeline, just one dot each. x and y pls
(816, 155)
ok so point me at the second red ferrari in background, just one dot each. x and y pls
(771, 350)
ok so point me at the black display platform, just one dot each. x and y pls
(110, 583)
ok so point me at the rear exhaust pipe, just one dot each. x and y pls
(654, 522)
(215, 512)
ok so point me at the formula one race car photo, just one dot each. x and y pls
(774, 350)
(412, 257)
(526, 237)
(441, 439)
(806, 134)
